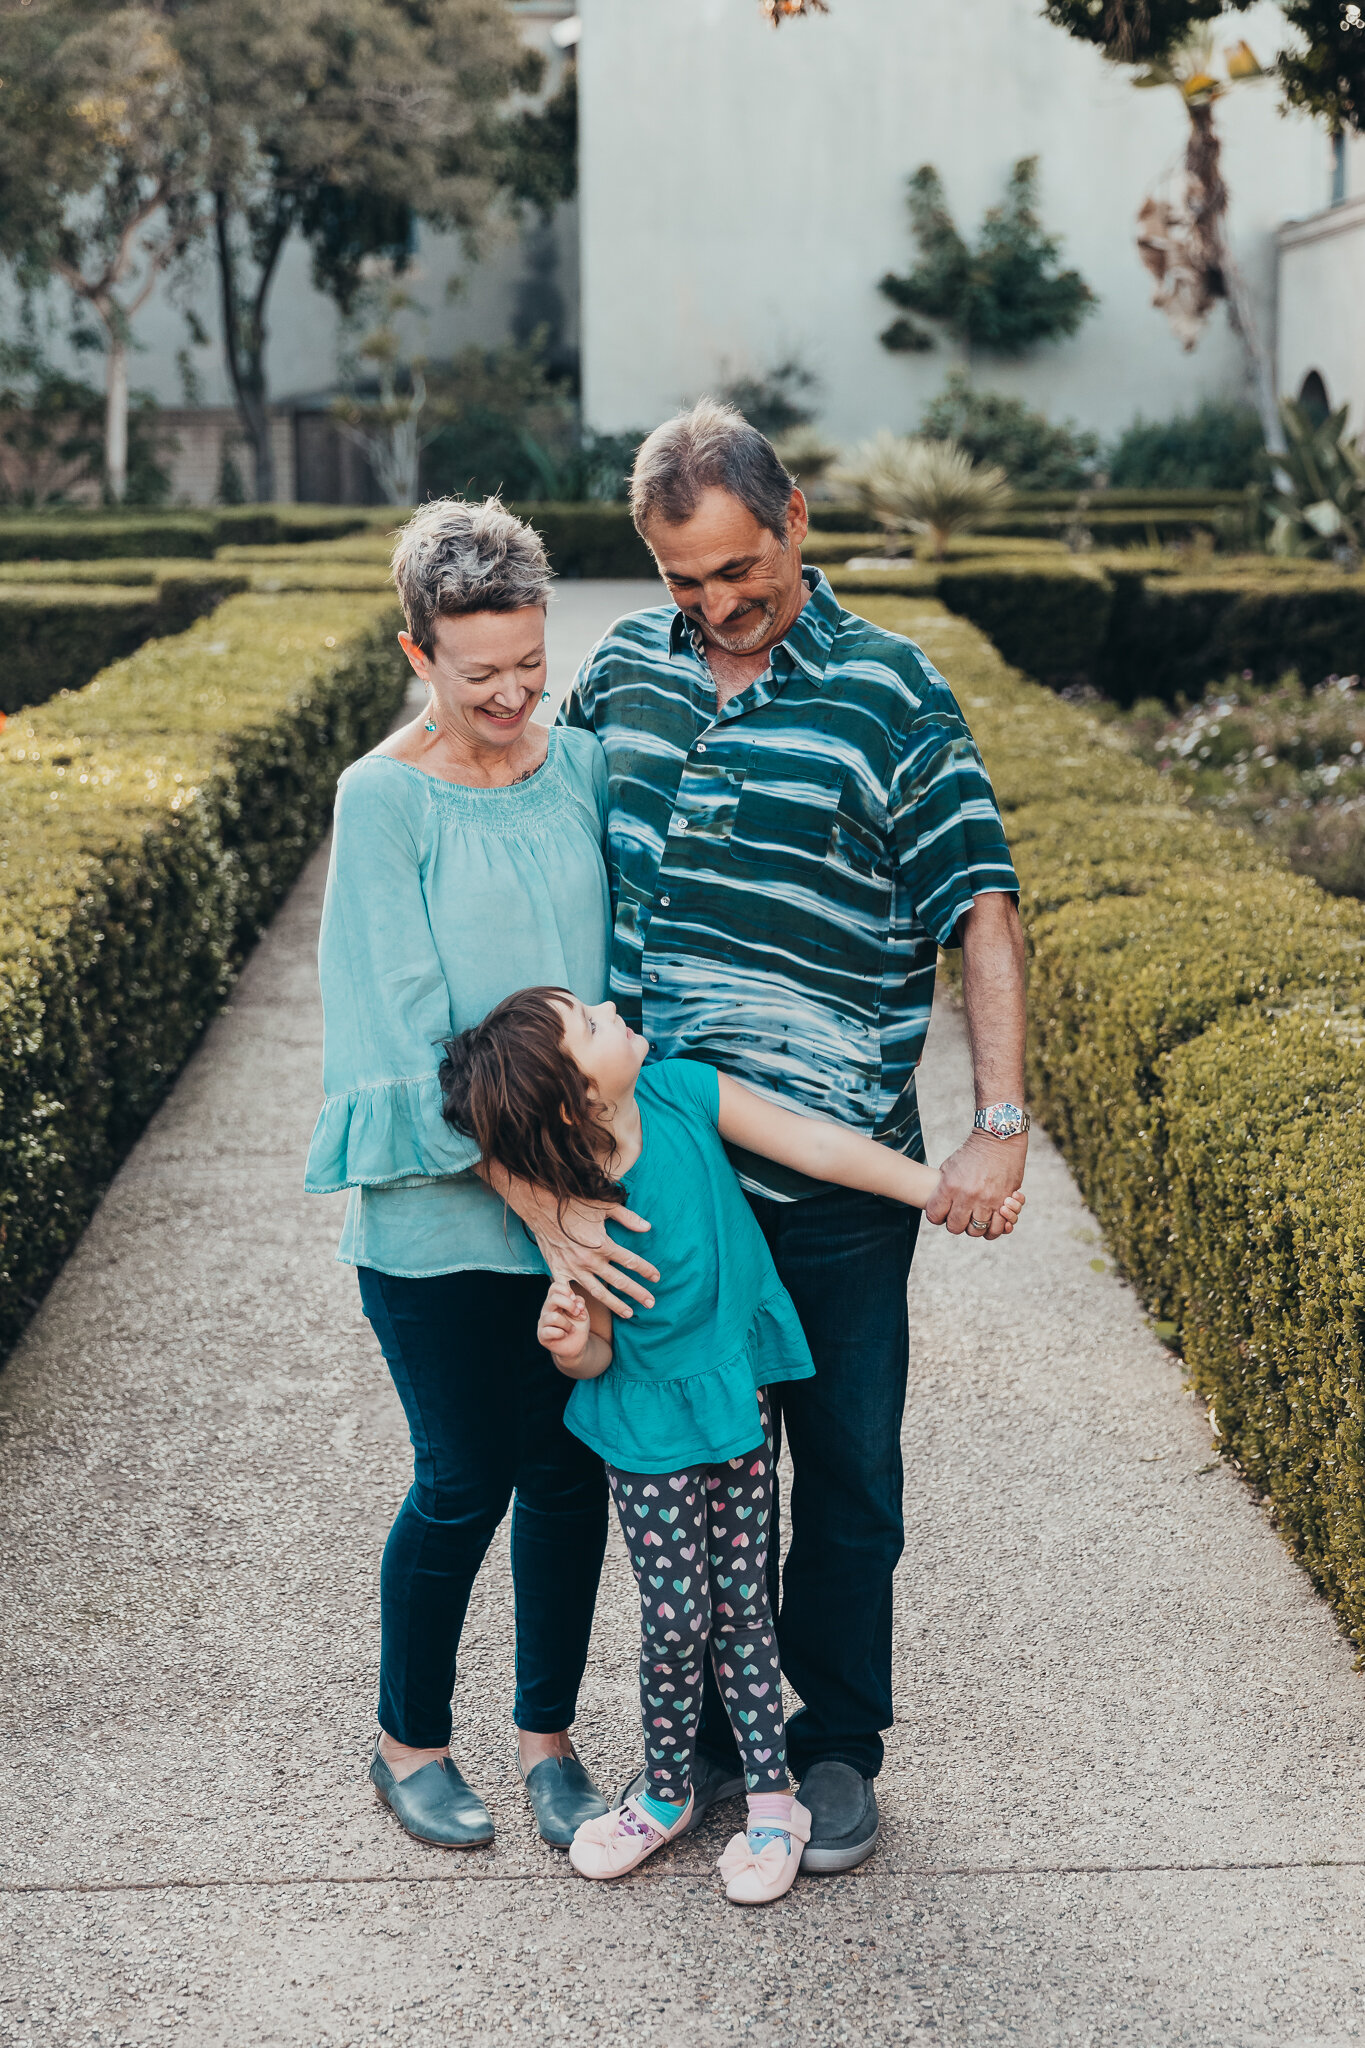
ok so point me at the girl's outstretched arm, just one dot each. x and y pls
(824, 1150)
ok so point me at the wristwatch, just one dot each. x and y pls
(1002, 1120)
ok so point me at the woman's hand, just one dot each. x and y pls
(566, 1331)
(579, 1249)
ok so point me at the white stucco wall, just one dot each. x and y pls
(1322, 305)
(741, 191)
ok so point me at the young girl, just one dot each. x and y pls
(673, 1399)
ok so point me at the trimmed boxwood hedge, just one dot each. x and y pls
(149, 825)
(57, 635)
(1197, 1049)
(89, 537)
(1143, 625)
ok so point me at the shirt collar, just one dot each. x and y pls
(808, 640)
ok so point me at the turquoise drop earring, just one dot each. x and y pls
(429, 726)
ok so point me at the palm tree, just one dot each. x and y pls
(928, 487)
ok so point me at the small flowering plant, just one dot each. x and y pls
(1286, 762)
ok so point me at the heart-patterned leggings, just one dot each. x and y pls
(698, 1542)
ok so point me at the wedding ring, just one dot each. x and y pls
(979, 1228)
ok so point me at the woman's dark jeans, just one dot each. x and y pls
(845, 1260)
(485, 1406)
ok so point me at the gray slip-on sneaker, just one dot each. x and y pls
(562, 1797)
(844, 1818)
(434, 1804)
(710, 1784)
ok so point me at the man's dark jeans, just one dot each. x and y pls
(485, 1406)
(845, 1260)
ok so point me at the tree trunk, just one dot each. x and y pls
(116, 419)
(244, 337)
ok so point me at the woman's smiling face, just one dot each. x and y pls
(603, 1048)
(486, 673)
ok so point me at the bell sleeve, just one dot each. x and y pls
(386, 1003)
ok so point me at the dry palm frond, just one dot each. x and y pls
(929, 487)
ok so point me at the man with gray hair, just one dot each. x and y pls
(799, 818)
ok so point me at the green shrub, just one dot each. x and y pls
(1051, 616)
(149, 825)
(70, 536)
(1197, 1049)
(117, 534)
(1111, 526)
(1268, 1243)
(1140, 625)
(1035, 453)
(1173, 635)
(144, 569)
(57, 635)
(1220, 447)
(589, 540)
(288, 525)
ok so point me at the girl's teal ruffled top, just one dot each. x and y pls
(683, 1382)
(441, 900)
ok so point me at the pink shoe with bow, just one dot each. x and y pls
(761, 1865)
(617, 1842)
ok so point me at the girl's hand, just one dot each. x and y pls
(1008, 1211)
(564, 1328)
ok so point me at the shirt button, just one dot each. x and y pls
(701, 746)
(665, 901)
(653, 976)
(682, 824)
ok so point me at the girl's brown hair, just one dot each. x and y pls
(511, 1085)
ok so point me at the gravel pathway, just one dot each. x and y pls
(1122, 1801)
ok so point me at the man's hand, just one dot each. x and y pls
(975, 1181)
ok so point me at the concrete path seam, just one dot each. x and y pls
(927, 1871)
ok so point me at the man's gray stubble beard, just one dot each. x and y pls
(741, 643)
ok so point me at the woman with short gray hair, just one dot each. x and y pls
(466, 864)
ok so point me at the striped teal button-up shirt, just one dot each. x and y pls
(785, 866)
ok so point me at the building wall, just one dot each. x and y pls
(1322, 296)
(742, 190)
(192, 440)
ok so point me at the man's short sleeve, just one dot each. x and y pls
(577, 707)
(950, 841)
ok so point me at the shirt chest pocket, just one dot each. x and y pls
(795, 813)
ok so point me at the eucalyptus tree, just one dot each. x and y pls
(343, 121)
(102, 157)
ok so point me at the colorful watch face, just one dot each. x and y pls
(1002, 1120)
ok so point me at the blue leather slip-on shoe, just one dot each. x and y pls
(434, 1804)
(844, 1818)
(710, 1784)
(562, 1797)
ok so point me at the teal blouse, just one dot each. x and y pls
(682, 1386)
(441, 900)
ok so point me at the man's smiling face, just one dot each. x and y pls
(731, 575)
